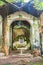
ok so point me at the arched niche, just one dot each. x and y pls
(29, 18)
(15, 16)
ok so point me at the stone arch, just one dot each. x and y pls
(15, 16)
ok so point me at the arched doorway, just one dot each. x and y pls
(12, 21)
(21, 35)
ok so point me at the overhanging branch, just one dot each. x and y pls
(10, 3)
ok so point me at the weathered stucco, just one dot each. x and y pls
(15, 16)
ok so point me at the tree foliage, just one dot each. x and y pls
(38, 4)
(2, 3)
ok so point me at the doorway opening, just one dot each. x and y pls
(20, 31)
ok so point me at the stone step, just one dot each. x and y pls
(23, 56)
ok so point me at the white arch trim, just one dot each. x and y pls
(15, 16)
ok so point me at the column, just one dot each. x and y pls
(5, 35)
(41, 30)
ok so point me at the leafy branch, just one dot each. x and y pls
(38, 4)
